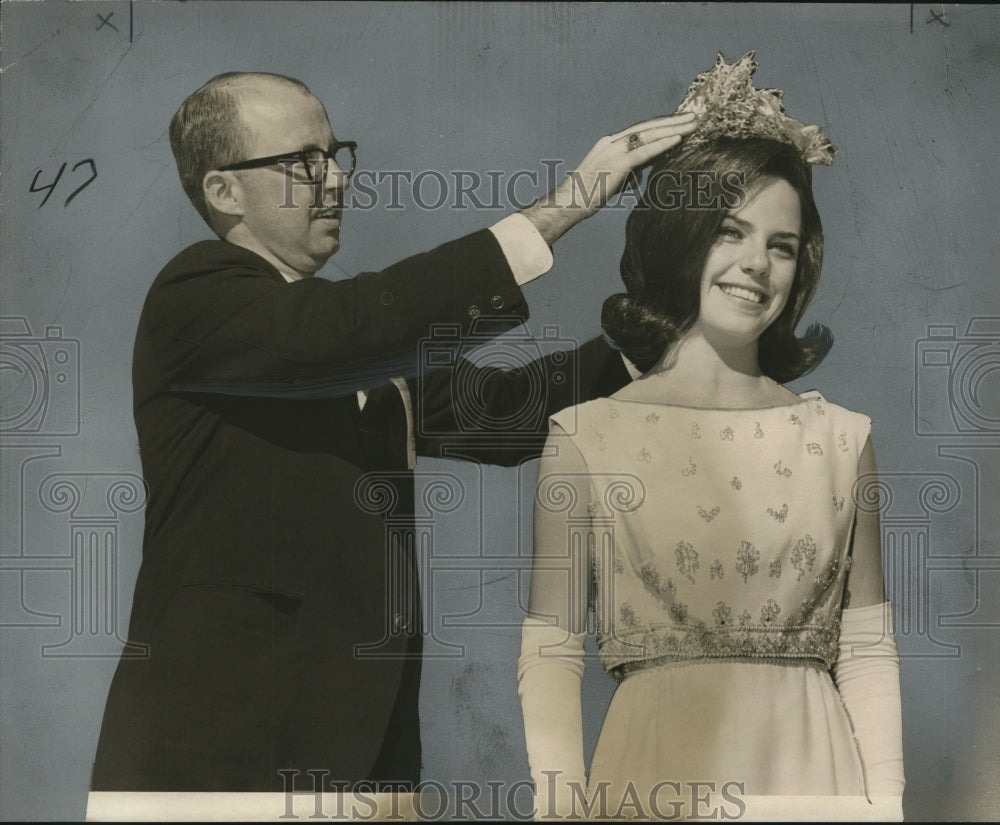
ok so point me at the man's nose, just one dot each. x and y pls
(334, 177)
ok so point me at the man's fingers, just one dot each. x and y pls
(640, 156)
(665, 120)
(655, 147)
(640, 137)
(668, 129)
(613, 156)
(659, 127)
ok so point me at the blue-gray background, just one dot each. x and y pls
(909, 94)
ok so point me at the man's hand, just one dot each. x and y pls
(603, 171)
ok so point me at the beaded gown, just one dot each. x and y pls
(721, 552)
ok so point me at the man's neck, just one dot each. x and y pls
(240, 237)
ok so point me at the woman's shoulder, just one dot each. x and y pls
(569, 418)
(837, 417)
(825, 403)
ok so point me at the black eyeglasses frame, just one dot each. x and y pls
(302, 156)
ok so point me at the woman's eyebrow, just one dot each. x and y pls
(747, 225)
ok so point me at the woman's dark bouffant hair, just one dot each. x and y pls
(668, 237)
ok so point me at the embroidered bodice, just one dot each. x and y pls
(716, 533)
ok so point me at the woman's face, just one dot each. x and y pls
(751, 265)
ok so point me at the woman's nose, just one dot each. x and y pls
(755, 260)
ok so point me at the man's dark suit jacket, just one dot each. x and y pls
(260, 571)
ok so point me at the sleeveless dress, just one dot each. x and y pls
(720, 546)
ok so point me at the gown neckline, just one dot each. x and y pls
(803, 397)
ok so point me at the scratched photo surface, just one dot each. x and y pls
(92, 209)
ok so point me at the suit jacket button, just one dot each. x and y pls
(497, 302)
(474, 311)
(387, 299)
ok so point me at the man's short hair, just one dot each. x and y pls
(208, 131)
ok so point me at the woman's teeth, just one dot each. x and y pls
(740, 292)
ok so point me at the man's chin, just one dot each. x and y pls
(321, 257)
(328, 246)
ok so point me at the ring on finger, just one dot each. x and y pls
(633, 141)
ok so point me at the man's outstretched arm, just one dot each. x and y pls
(498, 415)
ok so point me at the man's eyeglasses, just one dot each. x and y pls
(315, 161)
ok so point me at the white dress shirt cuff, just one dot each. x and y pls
(524, 248)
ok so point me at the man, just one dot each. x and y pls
(261, 574)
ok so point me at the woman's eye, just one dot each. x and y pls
(785, 249)
(731, 232)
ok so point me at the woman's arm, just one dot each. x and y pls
(864, 582)
(550, 668)
(867, 669)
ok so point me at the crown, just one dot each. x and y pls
(727, 104)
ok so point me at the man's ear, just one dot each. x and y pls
(223, 192)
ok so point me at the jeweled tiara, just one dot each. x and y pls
(727, 104)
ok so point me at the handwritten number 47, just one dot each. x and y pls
(50, 187)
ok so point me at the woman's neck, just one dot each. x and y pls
(694, 372)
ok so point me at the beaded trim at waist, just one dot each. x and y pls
(696, 641)
(620, 671)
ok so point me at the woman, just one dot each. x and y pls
(708, 516)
